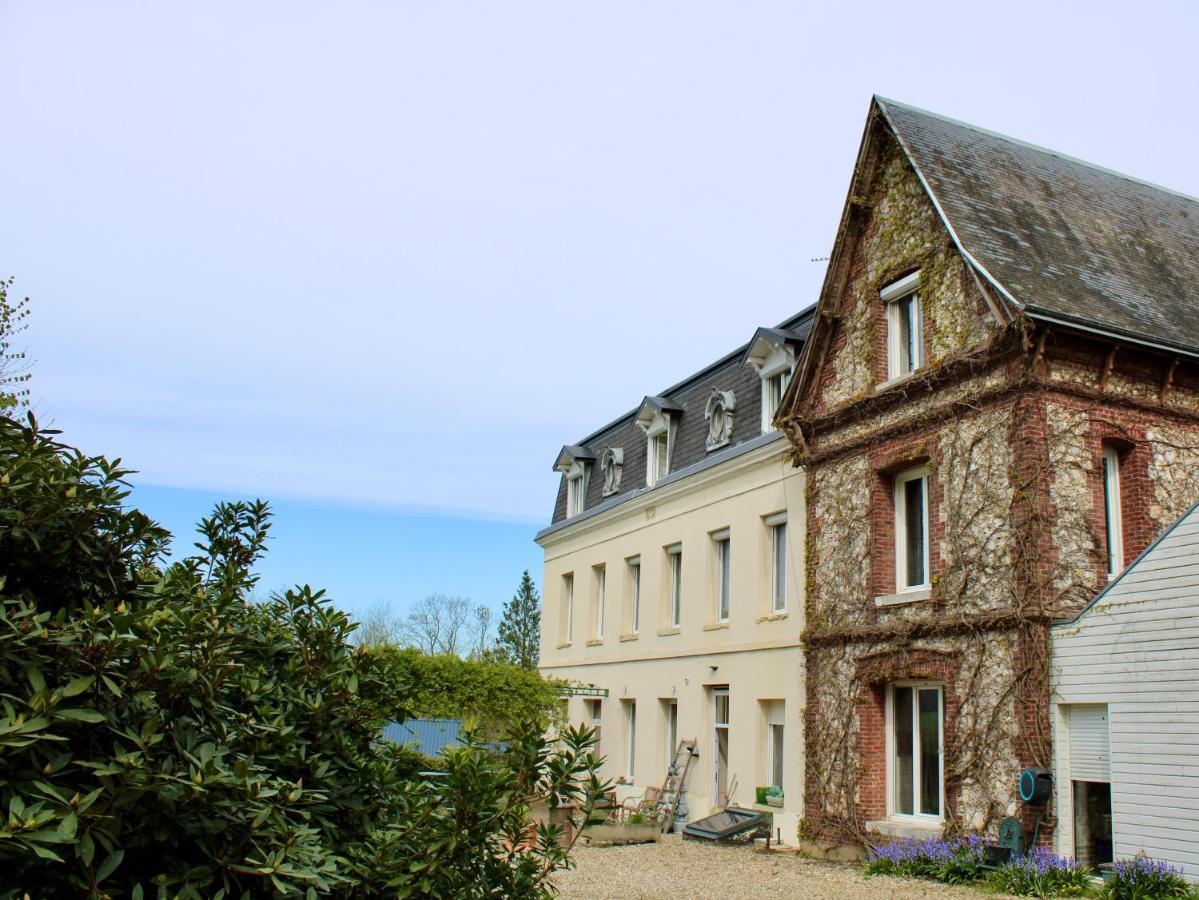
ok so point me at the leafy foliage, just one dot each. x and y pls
(497, 694)
(161, 734)
(1042, 873)
(950, 861)
(1142, 878)
(520, 626)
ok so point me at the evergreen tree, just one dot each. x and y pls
(520, 628)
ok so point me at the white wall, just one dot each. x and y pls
(1137, 650)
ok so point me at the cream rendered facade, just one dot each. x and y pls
(754, 653)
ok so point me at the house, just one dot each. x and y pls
(996, 408)
(674, 583)
(1125, 681)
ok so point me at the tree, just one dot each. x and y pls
(14, 368)
(442, 624)
(520, 628)
(379, 627)
(162, 735)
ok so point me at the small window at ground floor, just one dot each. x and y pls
(1092, 822)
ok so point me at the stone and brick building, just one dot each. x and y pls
(992, 409)
(997, 410)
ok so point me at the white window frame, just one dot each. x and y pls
(717, 725)
(595, 717)
(777, 528)
(634, 565)
(568, 586)
(723, 549)
(892, 785)
(1112, 512)
(901, 531)
(601, 598)
(672, 730)
(895, 295)
(773, 757)
(630, 746)
(674, 561)
(774, 385)
(576, 489)
(658, 430)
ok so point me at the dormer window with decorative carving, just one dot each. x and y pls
(658, 418)
(611, 466)
(905, 326)
(573, 462)
(771, 354)
(720, 418)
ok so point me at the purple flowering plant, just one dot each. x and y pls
(1141, 878)
(1042, 873)
(954, 861)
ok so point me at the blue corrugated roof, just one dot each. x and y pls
(427, 736)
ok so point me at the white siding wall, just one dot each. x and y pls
(1137, 650)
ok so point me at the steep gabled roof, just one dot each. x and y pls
(1062, 239)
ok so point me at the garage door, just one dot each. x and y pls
(1090, 742)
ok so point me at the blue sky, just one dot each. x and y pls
(378, 261)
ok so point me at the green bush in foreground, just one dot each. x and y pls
(162, 735)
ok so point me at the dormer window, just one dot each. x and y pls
(905, 326)
(573, 462)
(773, 388)
(772, 353)
(658, 417)
(576, 490)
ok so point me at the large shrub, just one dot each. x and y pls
(161, 734)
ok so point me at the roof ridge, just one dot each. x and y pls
(886, 102)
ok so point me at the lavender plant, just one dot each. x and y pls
(1141, 878)
(954, 861)
(1042, 873)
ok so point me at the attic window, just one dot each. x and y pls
(576, 489)
(905, 326)
(656, 418)
(771, 353)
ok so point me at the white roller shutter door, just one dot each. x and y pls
(1090, 743)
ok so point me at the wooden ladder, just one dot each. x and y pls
(676, 782)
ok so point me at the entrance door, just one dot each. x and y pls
(720, 746)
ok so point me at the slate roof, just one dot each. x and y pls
(1063, 239)
(688, 399)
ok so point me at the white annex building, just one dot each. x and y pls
(1126, 699)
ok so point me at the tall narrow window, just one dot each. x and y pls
(659, 457)
(596, 714)
(720, 745)
(630, 718)
(916, 713)
(1111, 508)
(905, 326)
(911, 530)
(674, 556)
(721, 544)
(778, 562)
(776, 754)
(568, 607)
(672, 729)
(773, 388)
(575, 494)
(635, 594)
(601, 597)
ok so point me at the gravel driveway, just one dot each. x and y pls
(690, 869)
